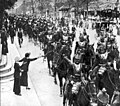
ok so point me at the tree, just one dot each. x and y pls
(5, 4)
(44, 5)
(83, 4)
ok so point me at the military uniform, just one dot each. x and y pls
(99, 65)
(82, 43)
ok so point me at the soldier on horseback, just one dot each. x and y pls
(99, 65)
(82, 43)
(65, 37)
(75, 71)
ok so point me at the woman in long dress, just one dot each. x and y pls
(16, 87)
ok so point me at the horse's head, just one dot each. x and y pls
(90, 50)
(65, 50)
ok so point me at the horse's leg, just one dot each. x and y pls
(40, 45)
(61, 84)
(54, 75)
(49, 66)
(64, 100)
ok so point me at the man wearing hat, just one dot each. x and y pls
(103, 98)
(4, 42)
(25, 65)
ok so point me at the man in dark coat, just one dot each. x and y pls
(12, 34)
(20, 37)
(24, 77)
(4, 42)
(16, 87)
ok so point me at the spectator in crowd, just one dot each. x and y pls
(25, 65)
(12, 33)
(4, 42)
(20, 37)
(16, 87)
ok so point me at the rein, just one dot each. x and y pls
(111, 81)
(84, 91)
(85, 95)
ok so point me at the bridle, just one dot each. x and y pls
(114, 86)
(85, 91)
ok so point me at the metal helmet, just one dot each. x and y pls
(101, 49)
(65, 29)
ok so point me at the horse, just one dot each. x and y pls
(67, 93)
(61, 65)
(61, 69)
(49, 53)
(107, 81)
(89, 58)
(57, 36)
(83, 97)
(42, 39)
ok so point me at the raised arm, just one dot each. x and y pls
(32, 59)
(68, 60)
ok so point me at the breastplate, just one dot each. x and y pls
(77, 68)
(101, 70)
(49, 37)
(65, 38)
(81, 44)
